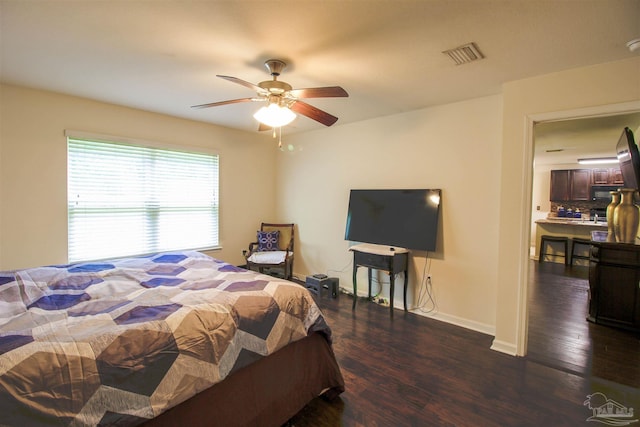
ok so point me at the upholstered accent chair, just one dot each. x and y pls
(272, 250)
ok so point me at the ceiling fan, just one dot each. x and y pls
(282, 98)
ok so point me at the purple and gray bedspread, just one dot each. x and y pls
(119, 342)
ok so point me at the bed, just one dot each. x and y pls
(176, 338)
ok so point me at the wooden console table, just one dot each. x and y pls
(614, 276)
(392, 260)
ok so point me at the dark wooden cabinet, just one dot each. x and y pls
(580, 180)
(570, 184)
(560, 188)
(614, 283)
(600, 176)
(615, 177)
(609, 176)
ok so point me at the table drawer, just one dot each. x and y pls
(366, 259)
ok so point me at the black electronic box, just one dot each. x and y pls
(317, 283)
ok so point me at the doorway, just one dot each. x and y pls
(558, 145)
(558, 333)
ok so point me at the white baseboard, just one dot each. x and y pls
(504, 347)
(458, 321)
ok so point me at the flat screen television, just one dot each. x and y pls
(398, 218)
(629, 159)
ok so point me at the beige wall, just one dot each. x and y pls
(415, 150)
(478, 152)
(33, 212)
(586, 91)
(454, 147)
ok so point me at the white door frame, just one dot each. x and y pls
(531, 121)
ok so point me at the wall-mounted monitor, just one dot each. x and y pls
(629, 159)
(399, 218)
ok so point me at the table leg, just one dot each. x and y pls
(355, 286)
(406, 282)
(391, 291)
(369, 276)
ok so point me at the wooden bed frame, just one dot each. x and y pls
(266, 393)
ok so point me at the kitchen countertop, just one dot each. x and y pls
(572, 222)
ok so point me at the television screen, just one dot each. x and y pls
(629, 159)
(401, 218)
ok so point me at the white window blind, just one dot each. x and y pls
(128, 200)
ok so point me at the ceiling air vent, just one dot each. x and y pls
(463, 54)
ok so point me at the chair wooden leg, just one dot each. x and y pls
(546, 240)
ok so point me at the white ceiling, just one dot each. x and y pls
(163, 56)
(564, 142)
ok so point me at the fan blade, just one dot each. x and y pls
(320, 92)
(215, 104)
(243, 83)
(314, 113)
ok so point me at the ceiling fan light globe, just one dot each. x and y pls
(274, 116)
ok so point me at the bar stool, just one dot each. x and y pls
(580, 243)
(546, 239)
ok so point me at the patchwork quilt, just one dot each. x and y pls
(121, 341)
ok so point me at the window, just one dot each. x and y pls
(127, 200)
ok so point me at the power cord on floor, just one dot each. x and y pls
(425, 294)
(375, 297)
(349, 264)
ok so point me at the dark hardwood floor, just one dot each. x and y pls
(416, 371)
(560, 337)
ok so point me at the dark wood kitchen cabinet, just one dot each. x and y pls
(615, 177)
(600, 176)
(609, 176)
(570, 185)
(614, 283)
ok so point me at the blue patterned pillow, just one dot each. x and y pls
(268, 240)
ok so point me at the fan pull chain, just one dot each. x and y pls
(279, 137)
